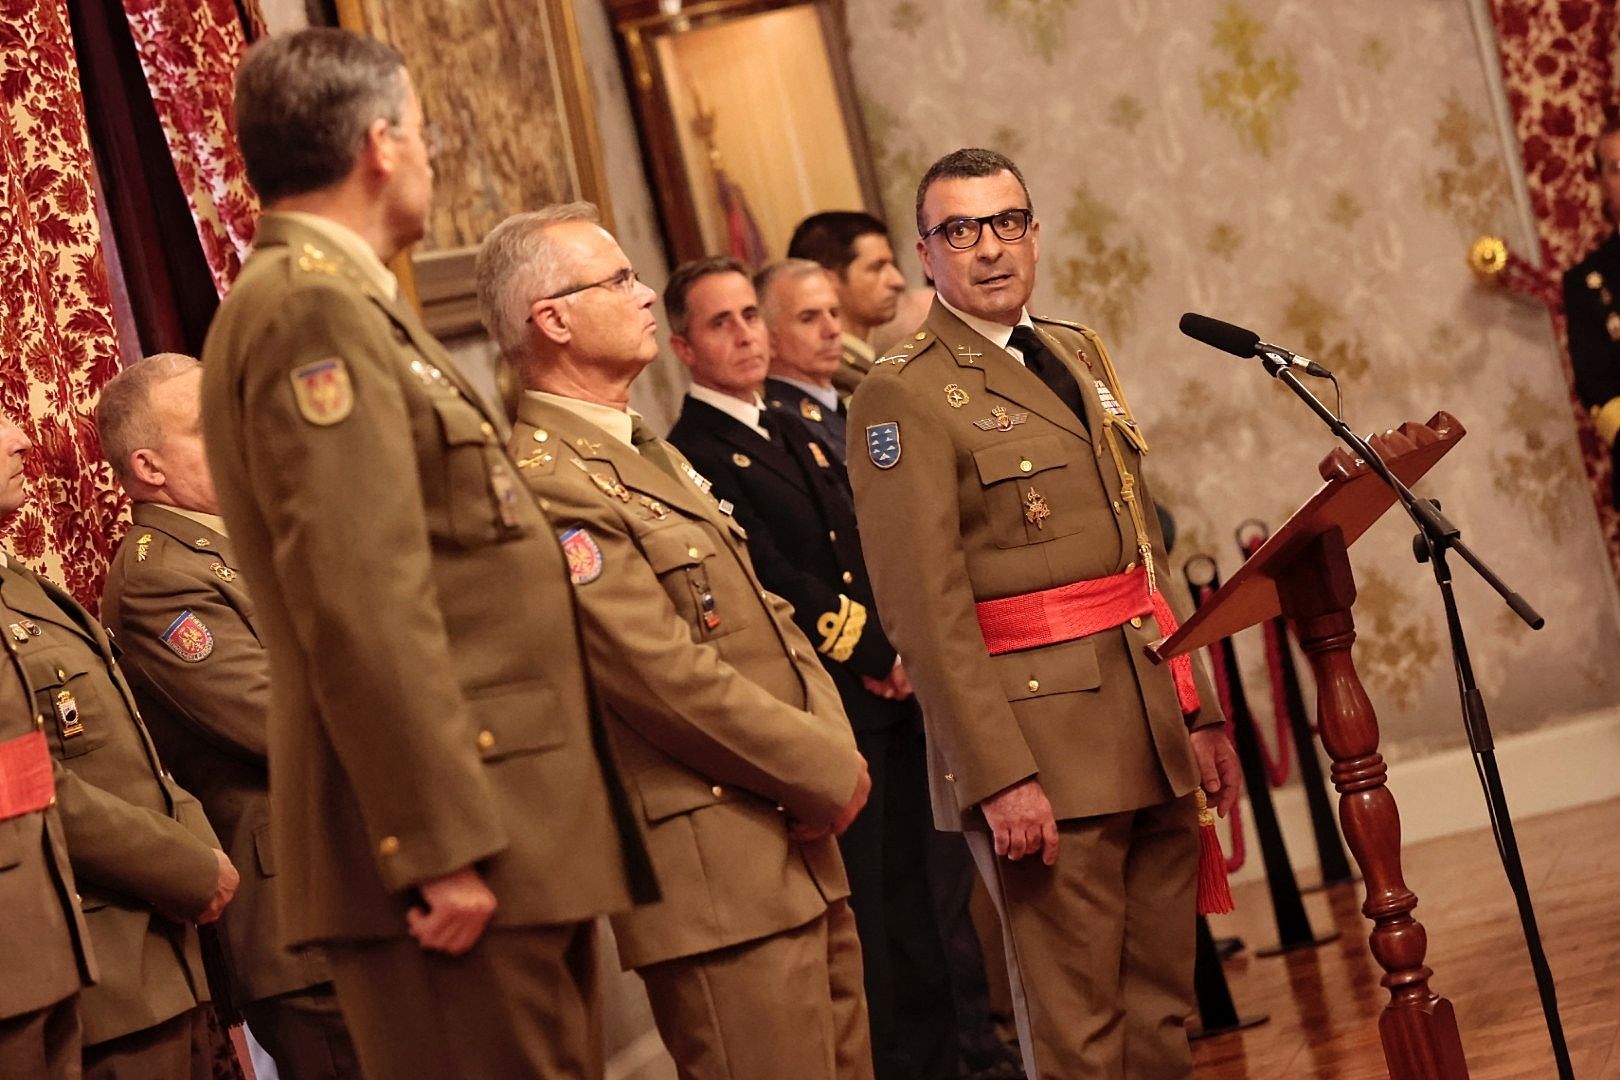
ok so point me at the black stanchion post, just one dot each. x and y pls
(1330, 853)
(1217, 1014)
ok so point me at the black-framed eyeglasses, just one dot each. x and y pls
(622, 282)
(964, 232)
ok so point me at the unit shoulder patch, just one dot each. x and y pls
(189, 638)
(322, 389)
(883, 444)
(584, 556)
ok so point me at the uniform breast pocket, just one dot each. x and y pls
(686, 559)
(1031, 490)
(61, 697)
(483, 502)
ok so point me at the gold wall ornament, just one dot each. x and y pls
(1488, 257)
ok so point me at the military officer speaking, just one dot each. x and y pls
(1016, 557)
(181, 611)
(441, 818)
(44, 948)
(1592, 311)
(148, 865)
(729, 733)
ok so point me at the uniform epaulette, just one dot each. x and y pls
(1061, 322)
(903, 353)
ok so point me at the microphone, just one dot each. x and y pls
(1245, 343)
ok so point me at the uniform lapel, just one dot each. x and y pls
(204, 541)
(30, 595)
(1082, 375)
(1003, 375)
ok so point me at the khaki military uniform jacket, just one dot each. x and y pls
(44, 946)
(182, 614)
(719, 712)
(139, 844)
(428, 702)
(856, 363)
(946, 525)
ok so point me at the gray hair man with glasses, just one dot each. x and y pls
(1017, 559)
(731, 737)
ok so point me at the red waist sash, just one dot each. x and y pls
(26, 785)
(1078, 610)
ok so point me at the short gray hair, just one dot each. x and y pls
(783, 270)
(517, 264)
(124, 415)
(304, 102)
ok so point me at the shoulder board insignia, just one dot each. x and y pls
(189, 638)
(322, 389)
(312, 260)
(1059, 322)
(537, 459)
(584, 556)
(883, 444)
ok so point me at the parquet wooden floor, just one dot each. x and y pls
(1324, 1002)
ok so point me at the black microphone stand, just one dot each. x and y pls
(1436, 537)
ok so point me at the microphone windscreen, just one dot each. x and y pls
(1221, 335)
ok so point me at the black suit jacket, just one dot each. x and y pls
(793, 498)
(826, 424)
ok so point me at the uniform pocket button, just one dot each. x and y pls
(1034, 685)
(693, 553)
(486, 740)
(718, 791)
(1136, 621)
(848, 577)
(1025, 465)
(389, 845)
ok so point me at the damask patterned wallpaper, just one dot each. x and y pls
(1315, 172)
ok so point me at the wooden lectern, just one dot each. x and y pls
(1303, 572)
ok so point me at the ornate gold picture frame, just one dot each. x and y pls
(507, 99)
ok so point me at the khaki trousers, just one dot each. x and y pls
(180, 1048)
(1100, 946)
(524, 1002)
(43, 1043)
(304, 1032)
(788, 1005)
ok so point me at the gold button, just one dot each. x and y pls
(793, 653)
(389, 845)
(692, 553)
(718, 790)
(1025, 465)
(1116, 506)
(920, 335)
(486, 740)
(848, 577)
(39, 722)
(1034, 685)
(487, 428)
(951, 777)
(832, 535)
(1136, 621)
(541, 436)
(1130, 566)
(52, 802)
(545, 504)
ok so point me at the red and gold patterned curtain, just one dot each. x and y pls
(57, 344)
(189, 50)
(1557, 64)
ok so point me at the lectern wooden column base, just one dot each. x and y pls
(1303, 571)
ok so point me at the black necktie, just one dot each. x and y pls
(647, 444)
(1049, 369)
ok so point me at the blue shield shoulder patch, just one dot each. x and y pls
(883, 444)
(584, 557)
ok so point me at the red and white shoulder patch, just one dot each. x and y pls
(584, 556)
(189, 638)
